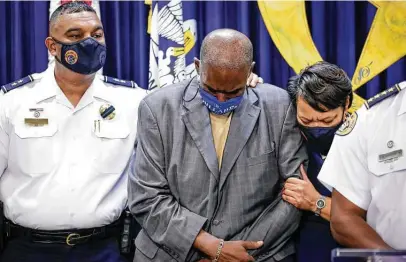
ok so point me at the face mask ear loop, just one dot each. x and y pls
(184, 93)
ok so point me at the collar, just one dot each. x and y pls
(402, 108)
(47, 87)
(101, 90)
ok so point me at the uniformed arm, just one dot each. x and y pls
(280, 219)
(165, 221)
(349, 228)
(4, 138)
(345, 169)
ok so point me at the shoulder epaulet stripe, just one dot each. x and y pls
(115, 81)
(16, 84)
(383, 95)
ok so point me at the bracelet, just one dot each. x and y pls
(219, 248)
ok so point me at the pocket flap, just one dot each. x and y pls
(380, 168)
(111, 130)
(145, 245)
(26, 131)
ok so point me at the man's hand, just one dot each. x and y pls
(253, 80)
(301, 193)
(231, 251)
(237, 251)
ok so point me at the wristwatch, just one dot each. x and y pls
(320, 204)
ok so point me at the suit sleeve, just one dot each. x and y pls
(165, 221)
(280, 219)
(4, 138)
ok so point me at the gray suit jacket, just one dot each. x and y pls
(176, 188)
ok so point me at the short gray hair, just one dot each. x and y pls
(226, 48)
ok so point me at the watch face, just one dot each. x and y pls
(321, 203)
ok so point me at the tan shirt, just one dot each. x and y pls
(220, 125)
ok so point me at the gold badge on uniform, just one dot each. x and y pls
(107, 111)
(36, 120)
(348, 125)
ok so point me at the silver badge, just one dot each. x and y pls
(37, 111)
(390, 144)
(391, 156)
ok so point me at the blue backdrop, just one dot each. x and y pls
(339, 30)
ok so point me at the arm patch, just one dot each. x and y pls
(348, 125)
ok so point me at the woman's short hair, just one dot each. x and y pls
(323, 86)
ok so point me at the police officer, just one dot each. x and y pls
(66, 136)
(366, 166)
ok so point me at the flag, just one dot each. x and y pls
(287, 25)
(286, 22)
(172, 38)
(385, 43)
(54, 4)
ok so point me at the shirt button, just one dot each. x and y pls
(72, 215)
(391, 167)
(216, 222)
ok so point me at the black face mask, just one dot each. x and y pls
(320, 139)
(84, 57)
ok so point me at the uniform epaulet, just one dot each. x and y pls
(16, 84)
(385, 94)
(119, 82)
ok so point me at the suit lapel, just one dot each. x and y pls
(197, 121)
(242, 124)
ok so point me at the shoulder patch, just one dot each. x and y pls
(16, 84)
(348, 125)
(119, 82)
(382, 96)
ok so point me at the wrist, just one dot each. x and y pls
(213, 247)
(320, 205)
(206, 243)
(314, 203)
(219, 249)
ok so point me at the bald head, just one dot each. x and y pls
(227, 49)
(226, 62)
